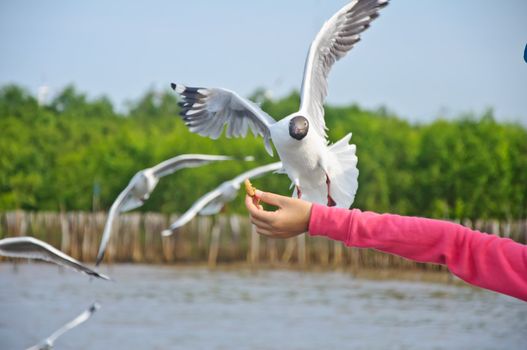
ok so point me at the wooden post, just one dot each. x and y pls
(337, 254)
(505, 229)
(74, 241)
(203, 230)
(301, 240)
(65, 231)
(214, 245)
(254, 250)
(355, 258)
(467, 223)
(495, 227)
(323, 249)
(154, 224)
(273, 253)
(479, 225)
(234, 246)
(135, 235)
(288, 251)
(87, 237)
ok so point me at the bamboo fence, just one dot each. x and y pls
(214, 240)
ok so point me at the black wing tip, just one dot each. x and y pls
(173, 86)
(99, 275)
(99, 259)
(94, 307)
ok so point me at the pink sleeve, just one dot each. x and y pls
(484, 260)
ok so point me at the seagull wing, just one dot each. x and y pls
(32, 248)
(124, 201)
(257, 172)
(172, 165)
(213, 201)
(336, 37)
(194, 210)
(83, 317)
(214, 207)
(216, 204)
(206, 111)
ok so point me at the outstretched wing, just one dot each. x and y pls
(32, 248)
(210, 197)
(257, 172)
(124, 202)
(49, 342)
(83, 317)
(213, 201)
(172, 165)
(333, 41)
(206, 111)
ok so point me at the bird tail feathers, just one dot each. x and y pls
(344, 175)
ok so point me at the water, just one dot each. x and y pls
(152, 307)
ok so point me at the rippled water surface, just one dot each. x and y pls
(152, 307)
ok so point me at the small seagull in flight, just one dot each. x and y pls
(32, 248)
(319, 174)
(49, 342)
(212, 202)
(144, 182)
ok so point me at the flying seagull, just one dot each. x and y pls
(318, 173)
(143, 183)
(212, 202)
(49, 342)
(32, 248)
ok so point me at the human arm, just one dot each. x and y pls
(483, 260)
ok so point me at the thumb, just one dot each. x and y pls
(270, 198)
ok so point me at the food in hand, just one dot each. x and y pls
(249, 188)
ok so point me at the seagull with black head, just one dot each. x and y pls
(320, 172)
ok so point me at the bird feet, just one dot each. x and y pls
(298, 192)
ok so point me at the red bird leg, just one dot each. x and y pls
(331, 202)
(298, 192)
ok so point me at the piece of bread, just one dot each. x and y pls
(249, 188)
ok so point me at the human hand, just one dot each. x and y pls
(291, 218)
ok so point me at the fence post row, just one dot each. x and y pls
(136, 238)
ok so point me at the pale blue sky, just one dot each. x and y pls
(420, 58)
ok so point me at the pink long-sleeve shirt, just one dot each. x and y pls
(484, 260)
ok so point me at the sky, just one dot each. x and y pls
(420, 59)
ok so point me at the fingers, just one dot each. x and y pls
(252, 203)
(273, 234)
(265, 232)
(268, 233)
(271, 198)
(257, 211)
(261, 224)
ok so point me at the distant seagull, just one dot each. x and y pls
(212, 202)
(144, 182)
(32, 248)
(320, 175)
(49, 342)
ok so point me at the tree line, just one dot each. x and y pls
(76, 153)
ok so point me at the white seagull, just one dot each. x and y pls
(49, 342)
(320, 174)
(212, 202)
(144, 182)
(32, 248)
